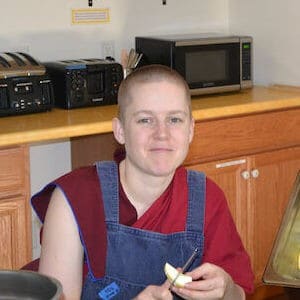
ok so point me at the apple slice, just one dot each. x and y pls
(172, 273)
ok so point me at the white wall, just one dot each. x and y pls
(275, 27)
(47, 162)
(44, 29)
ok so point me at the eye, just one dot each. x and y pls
(144, 121)
(175, 120)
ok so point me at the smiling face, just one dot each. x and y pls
(156, 128)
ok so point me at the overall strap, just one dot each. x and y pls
(196, 199)
(109, 181)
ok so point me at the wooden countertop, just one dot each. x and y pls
(61, 124)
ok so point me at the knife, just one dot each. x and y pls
(185, 267)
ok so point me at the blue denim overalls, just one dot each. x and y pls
(136, 257)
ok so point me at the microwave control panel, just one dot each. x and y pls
(246, 60)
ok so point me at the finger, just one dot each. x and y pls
(202, 285)
(162, 292)
(204, 271)
(166, 284)
(199, 295)
(196, 290)
(153, 292)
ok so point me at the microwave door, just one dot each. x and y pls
(209, 67)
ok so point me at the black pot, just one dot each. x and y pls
(28, 285)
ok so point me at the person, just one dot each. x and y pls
(109, 229)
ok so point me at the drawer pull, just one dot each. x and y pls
(255, 173)
(231, 163)
(245, 175)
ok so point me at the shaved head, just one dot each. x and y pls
(149, 74)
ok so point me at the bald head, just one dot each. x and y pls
(149, 74)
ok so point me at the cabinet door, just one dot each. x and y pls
(273, 175)
(13, 235)
(13, 171)
(231, 176)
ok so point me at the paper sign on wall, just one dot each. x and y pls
(90, 16)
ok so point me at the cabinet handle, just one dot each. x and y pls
(255, 173)
(245, 175)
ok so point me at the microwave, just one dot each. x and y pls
(208, 63)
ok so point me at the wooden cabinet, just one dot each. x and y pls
(257, 188)
(15, 224)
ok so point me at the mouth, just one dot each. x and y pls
(162, 150)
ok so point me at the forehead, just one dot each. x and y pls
(161, 95)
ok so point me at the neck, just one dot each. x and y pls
(142, 190)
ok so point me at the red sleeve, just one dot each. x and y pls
(83, 193)
(223, 246)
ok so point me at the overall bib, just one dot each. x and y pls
(135, 257)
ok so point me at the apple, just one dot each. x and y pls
(172, 273)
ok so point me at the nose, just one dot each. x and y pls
(161, 130)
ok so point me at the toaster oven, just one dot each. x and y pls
(85, 82)
(24, 85)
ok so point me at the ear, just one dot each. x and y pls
(191, 133)
(118, 131)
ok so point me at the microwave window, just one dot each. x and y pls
(206, 66)
(95, 82)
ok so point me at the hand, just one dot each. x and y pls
(210, 282)
(154, 292)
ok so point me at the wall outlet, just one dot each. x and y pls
(108, 49)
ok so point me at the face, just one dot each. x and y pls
(156, 129)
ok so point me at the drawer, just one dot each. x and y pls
(232, 137)
(13, 171)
